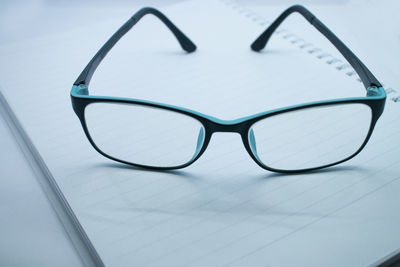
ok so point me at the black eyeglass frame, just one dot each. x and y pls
(375, 98)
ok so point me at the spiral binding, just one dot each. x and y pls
(338, 64)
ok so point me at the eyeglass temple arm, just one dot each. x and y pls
(184, 41)
(363, 72)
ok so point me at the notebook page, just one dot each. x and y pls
(223, 209)
(356, 35)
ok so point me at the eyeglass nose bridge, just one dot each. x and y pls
(228, 127)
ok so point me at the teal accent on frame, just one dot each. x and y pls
(82, 91)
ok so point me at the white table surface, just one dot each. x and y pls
(31, 233)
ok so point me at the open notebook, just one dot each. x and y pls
(223, 209)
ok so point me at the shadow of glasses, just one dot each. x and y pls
(177, 173)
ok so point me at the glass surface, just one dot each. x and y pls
(144, 135)
(311, 137)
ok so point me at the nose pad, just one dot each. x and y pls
(200, 141)
(252, 142)
(199, 145)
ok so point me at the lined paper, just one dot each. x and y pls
(224, 209)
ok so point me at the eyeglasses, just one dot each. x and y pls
(291, 139)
